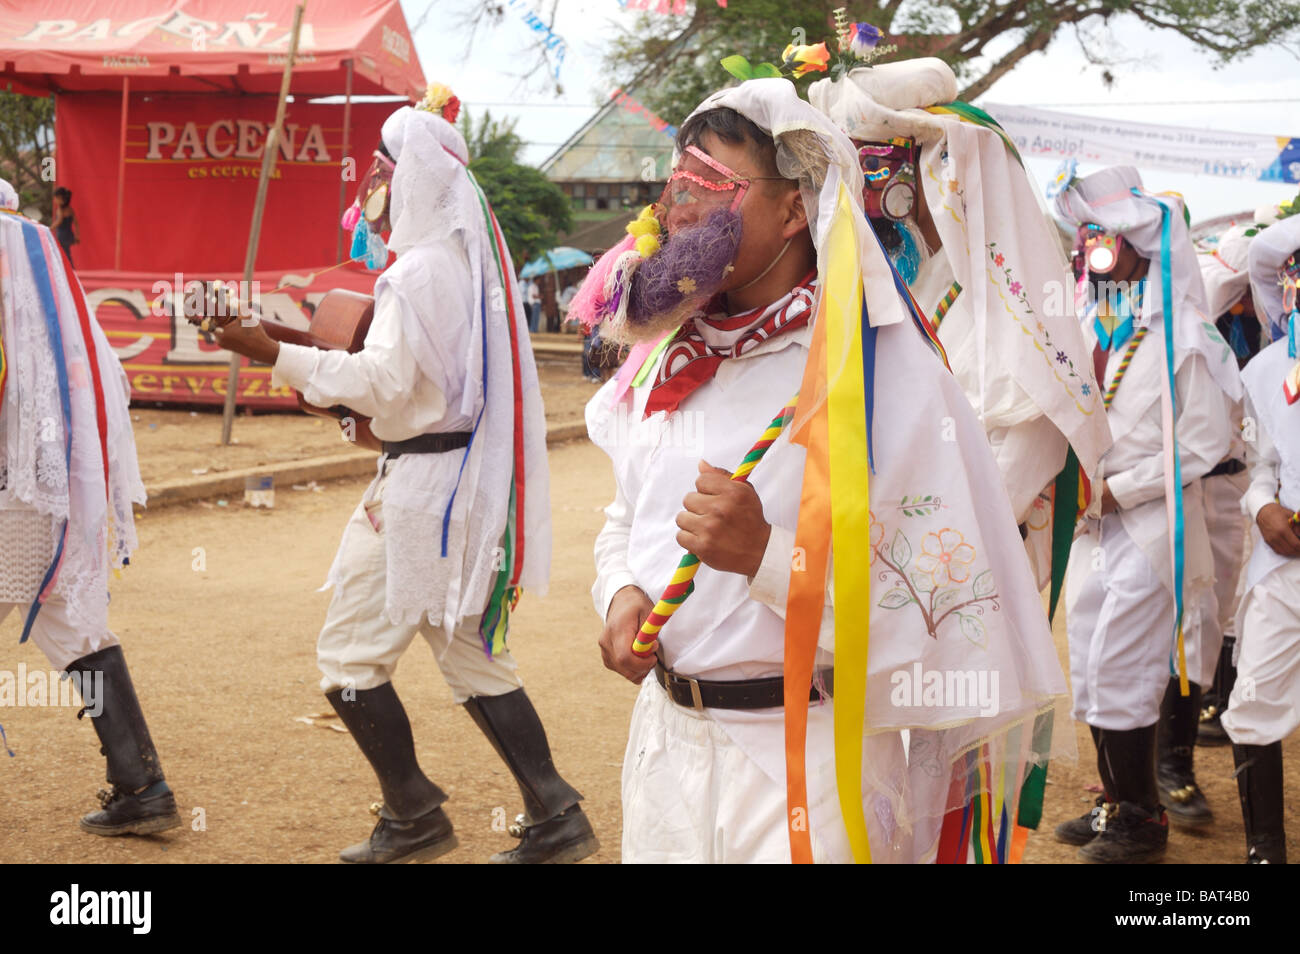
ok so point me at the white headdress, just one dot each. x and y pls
(1001, 245)
(435, 200)
(1156, 227)
(1225, 270)
(1268, 253)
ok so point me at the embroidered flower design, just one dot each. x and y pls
(1085, 389)
(1015, 288)
(946, 556)
(1062, 357)
(952, 185)
(686, 285)
(999, 260)
(876, 532)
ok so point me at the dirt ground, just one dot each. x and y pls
(218, 614)
(176, 444)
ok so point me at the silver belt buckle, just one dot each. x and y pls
(697, 702)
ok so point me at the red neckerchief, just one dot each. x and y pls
(690, 361)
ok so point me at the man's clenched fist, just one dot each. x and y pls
(627, 611)
(723, 523)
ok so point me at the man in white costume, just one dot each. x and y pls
(1142, 277)
(950, 199)
(1264, 707)
(1224, 270)
(455, 520)
(68, 479)
(704, 775)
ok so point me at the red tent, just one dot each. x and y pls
(161, 115)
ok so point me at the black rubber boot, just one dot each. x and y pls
(1081, 830)
(1175, 774)
(412, 825)
(554, 829)
(1214, 703)
(1135, 830)
(1259, 785)
(139, 801)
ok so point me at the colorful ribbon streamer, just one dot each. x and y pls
(45, 290)
(1173, 463)
(835, 427)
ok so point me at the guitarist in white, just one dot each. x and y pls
(457, 520)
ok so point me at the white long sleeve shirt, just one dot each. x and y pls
(1134, 466)
(383, 381)
(1265, 466)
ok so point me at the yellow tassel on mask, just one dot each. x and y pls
(645, 227)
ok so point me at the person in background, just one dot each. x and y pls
(590, 339)
(437, 544)
(69, 480)
(1126, 582)
(64, 223)
(533, 305)
(1262, 708)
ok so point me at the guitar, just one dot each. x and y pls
(339, 323)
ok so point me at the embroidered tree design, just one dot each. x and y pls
(938, 581)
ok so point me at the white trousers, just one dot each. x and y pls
(56, 636)
(1120, 619)
(1265, 702)
(1230, 543)
(359, 647)
(692, 796)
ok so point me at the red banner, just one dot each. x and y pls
(192, 165)
(168, 359)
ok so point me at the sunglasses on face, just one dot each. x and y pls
(701, 179)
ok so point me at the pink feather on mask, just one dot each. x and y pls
(590, 306)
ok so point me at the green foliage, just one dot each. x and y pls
(982, 39)
(530, 208)
(26, 143)
(1288, 209)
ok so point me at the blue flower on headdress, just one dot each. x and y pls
(863, 37)
(1064, 178)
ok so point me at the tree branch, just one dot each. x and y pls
(953, 609)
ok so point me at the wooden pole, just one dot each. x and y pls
(347, 148)
(273, 137)
(121, 176)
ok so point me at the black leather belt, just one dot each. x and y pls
(735, 694)
(428, 444)
(1227, 468)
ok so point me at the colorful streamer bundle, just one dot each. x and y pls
(45, 259)
(834, 426)
(682, 583)
(505, 591)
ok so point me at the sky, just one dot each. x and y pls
(1165, 79)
